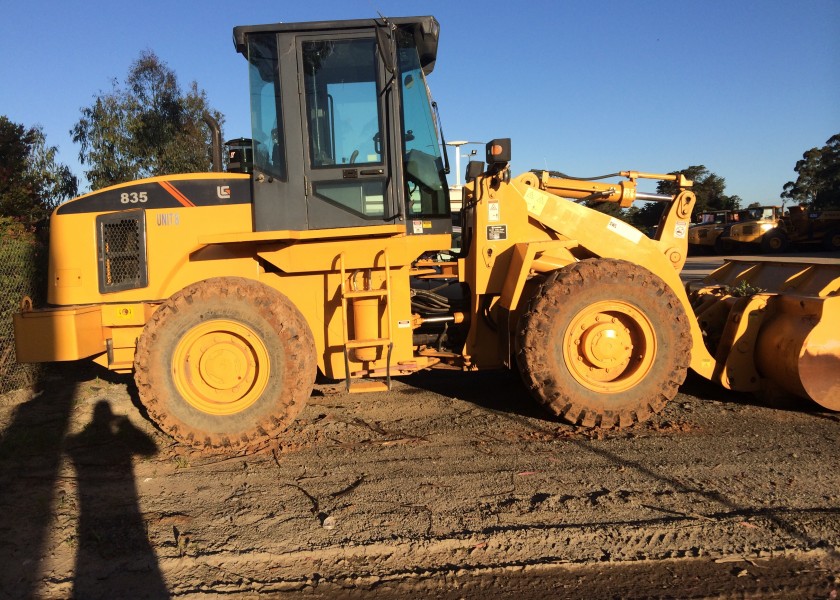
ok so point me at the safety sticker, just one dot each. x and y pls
(496, 233)
(626, 231)
(535, 200)
(493, 211)
(405, 324)
(680, 229)
(417, 226)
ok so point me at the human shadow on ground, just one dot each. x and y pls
(114, 554)
(30, 458)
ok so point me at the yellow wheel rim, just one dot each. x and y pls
(221, 367)
(609, 347)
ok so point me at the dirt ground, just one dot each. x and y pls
(452, 486)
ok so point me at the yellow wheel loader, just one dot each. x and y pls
(226, 292)
(747, 229)
(703, 234)
(801, 226)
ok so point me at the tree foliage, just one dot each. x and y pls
(709, 188)
(818, 181)
(647, 215)
(146, 127)
(32, 183)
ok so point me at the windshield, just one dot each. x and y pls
(709, 218)
(755, 214)
(427, 192)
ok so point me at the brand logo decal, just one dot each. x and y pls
(223, 191)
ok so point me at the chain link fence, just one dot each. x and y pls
(23, 272)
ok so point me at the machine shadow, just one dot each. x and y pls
(499, 390)
(702, 388)
(503, 391)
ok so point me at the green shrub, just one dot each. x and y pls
(23, 272)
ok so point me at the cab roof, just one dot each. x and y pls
(425, 30)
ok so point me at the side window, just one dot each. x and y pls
(266, 117)
(342, 105)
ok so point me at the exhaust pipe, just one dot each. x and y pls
(216, 137)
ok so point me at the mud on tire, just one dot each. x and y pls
(225, 362)
(603, 343)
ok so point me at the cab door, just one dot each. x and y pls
(345, 120)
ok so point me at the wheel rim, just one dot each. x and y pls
(609, 346)
(775, 243)
(221, 367)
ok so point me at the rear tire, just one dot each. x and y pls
(831, 241)
(225, 362)
(774, 241)
(604, 343)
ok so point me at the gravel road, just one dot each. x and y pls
(452, 486)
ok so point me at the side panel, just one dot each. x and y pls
(309, 274)
(177, 212)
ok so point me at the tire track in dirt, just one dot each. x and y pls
(516, 547)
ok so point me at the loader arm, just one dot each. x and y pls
(531, 225)
(600, 235)
(674, 223)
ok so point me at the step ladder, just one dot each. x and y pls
(348, 294)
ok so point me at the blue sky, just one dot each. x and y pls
(584, 87)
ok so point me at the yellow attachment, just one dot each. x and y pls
(221, 367)
(609, 347)
(799, 348)
(774, 326)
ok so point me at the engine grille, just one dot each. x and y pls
(122, 251)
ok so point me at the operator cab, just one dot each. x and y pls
(343, 133)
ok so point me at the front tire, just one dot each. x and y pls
(604, 343)
(224, 363)
(774, 241)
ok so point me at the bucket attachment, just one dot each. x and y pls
(773, 326)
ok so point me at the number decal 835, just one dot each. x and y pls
(133, 197)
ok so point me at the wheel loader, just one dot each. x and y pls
(703, 234)
(225, 293)
(747, 229)
(806, 227)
